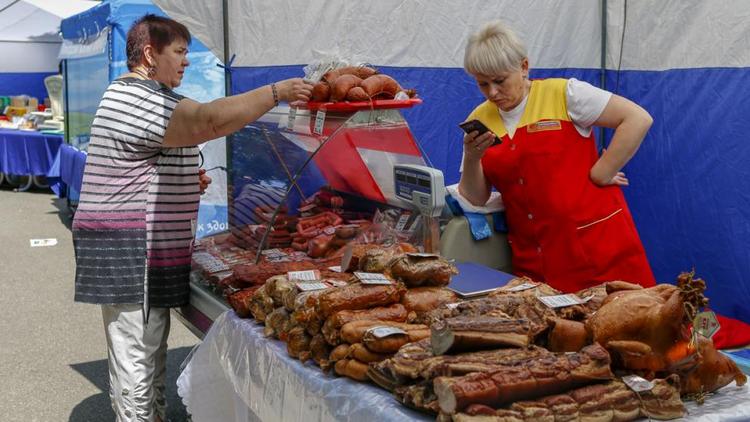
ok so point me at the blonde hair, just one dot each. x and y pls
(493, 49)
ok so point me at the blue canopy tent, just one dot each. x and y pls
(94, 52)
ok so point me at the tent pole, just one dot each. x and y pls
(603, 63)
(227, 56)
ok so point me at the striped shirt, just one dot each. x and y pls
(134, 226)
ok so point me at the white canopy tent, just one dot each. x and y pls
(30, 41)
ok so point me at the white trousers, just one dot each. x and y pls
(137, 357)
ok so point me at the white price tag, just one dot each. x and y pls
(637, 383)
(372, 278)
(35, 243)
(320, 118)
(309, 286)
(522, 287)
(335, 268)
(401, 224)
(384, 331)
(292, 117)
(559, 301)
(309, 275)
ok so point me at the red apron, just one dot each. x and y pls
(564, 230)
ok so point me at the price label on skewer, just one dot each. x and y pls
(559, 301)
(309, 275)
(384, 331)
(372, 278)
(307, 286)
(320, 118)
(292, 117)
(335, 268)
(637, 384)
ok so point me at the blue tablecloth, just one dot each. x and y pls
(26, 152)
(66, 173)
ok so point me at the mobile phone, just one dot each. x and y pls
(475, 125)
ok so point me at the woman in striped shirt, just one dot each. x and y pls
(134, 226)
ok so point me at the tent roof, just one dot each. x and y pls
(37, 20)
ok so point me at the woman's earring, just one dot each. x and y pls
(151, 71)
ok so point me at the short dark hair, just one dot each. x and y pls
(157, 31)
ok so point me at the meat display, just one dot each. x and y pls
(531, 379)
(504, 357)
(609, 402)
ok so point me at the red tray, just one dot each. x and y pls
(361, 105)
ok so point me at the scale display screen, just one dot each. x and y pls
(420, 185)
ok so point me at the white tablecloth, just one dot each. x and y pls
(239, 375)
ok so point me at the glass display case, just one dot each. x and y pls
(303, 184)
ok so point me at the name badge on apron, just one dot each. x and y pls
(544, 125)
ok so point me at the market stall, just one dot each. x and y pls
(672, 57)
(27, 153)
(333, 213)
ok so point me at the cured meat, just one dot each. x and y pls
(332, 327)
(353, 332)
(378, 260)
(276, 321)
(240, 301)
(505, 306)
(358, 296)
(539, 289)
(610, 402)
(566, 336)
(421, 300)
(339, 352)
(361, 353)
(352, 368)
(261, 304)
(465, 333)
(714, 370)
(533, 378)
(320, 350)
(391, 343)
(416, 270)
(415, 361)
(298, 344)
(419, 396)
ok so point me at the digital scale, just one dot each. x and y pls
(423, 187)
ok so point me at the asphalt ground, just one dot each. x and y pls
(53, 353)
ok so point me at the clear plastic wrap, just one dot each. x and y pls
(237, 374)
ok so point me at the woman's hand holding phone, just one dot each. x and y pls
(477, 139)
